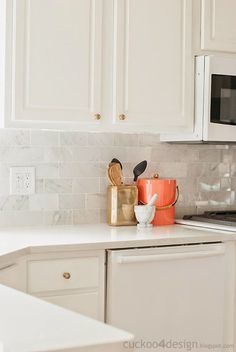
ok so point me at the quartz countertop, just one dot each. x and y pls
(28, 324)
(26, 240)
(23, 317)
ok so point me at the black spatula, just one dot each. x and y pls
(139, 169)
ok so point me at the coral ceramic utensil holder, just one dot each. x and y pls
(120, 205)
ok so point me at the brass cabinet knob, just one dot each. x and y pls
(122, 117)
(97, 117)
(66, 276)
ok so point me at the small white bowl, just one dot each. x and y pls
(144, 214)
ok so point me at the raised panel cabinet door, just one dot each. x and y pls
(90, 304)
(218, 25)
(55, 72)
(13, 274)
(153, 66)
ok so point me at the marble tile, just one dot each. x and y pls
(86, 154)
(75, 170)
(72, 201)
(101, 139)
(179, 154)
(43, 202)
(21, 218)
(86, 216)
(14, 137)
(71, 168)
(58, 185)
(39, 185)
(103, 184)
(14, 202)
(44, 138)
(219, 169)
(209, 184)
(60, 217)
(73, 138)
(58, 154)
(47, 170)
(180, 211)
(86, 185)
(137, 154)
(172, 169)
(128, 140)
(210, 155)
(108, 153)
(225, 184)
(149, 140)
(4, 171)
(4, 186)
(21, 154)
(218, 198)
(96, 201)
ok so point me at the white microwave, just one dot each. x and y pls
(215, 102)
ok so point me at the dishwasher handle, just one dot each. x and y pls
(125, 259)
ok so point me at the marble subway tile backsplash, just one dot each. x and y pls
(71, 173)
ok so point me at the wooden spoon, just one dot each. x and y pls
(115, 174)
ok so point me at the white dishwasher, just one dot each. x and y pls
(174, 296)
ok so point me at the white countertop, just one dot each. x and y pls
(101, 236)
(28, 324)
(22, 317)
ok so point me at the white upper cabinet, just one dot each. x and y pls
(218, 25)
(54, 63)
(153, 66)
(108, 65)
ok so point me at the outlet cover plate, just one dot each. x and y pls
(22, 180)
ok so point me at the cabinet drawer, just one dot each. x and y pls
(63, 274)
(84, 303)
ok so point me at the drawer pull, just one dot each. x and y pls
(122, 117)
(66, 276)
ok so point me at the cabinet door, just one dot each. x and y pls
(74, 281)
(13, 274)
(56, 67)
(218, 24)
(153, 68)
(87, 303)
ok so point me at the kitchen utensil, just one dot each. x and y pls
(152, 200)
(139, 169)
(115, 174)
(114, 160)
(109, 175)
(144, 214)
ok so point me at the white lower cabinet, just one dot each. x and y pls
(13, 274)
(75, 282)
(173, 295)
(169, 295)
(86, 303)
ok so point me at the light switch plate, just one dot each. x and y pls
(22, 180)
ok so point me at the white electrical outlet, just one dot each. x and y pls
(22, 180)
